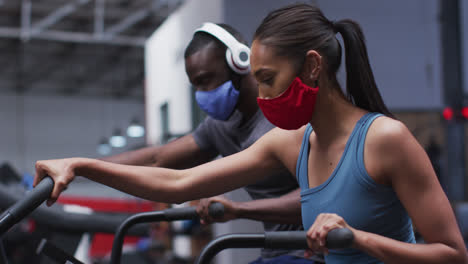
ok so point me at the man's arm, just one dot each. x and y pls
(181, 153)
(285, 209)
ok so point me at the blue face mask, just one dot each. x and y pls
(218, 103)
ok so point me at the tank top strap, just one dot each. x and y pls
(361, 139)
(301, 165)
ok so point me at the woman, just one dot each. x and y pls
(357, 168)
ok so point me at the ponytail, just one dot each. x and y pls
(361, 88)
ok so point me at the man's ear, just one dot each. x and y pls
(236, 79)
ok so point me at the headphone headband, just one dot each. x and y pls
(220, 33)
(237, 54)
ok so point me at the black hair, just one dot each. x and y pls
(201, 39)
(295, 29)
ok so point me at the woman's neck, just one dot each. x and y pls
(334, 116)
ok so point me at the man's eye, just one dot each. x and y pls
(203, 80)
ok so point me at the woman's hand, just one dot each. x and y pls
(317, 233)
(60, 170)
(229, 210)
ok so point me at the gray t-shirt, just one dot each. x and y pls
(232, 136)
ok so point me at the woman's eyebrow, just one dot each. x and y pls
(261, 71)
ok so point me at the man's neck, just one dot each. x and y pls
(247, 103)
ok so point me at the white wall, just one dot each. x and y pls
(166, 80)
(36, 127)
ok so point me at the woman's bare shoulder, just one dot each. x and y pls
(388, 132)
(279, 137)
(285, 145)
(389, 142)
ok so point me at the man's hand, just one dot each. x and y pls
(230, 209)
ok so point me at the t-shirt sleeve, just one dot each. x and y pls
(203, 135)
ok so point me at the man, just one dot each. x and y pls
(227, 92)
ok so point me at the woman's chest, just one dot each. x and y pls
(322, 163)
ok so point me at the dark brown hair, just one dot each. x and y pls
(295, 29)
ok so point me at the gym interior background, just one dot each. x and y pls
(77, 72)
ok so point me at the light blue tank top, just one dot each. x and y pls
(352, 194)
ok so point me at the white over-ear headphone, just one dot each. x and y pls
(237, 54)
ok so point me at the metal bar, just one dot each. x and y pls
(19, 86)
(230, 241)
(88, 38)
(147, 217)
(56, 16)
(215, 210)
(134, 18)
(25, 19)
(453, 179)
(6, 32)
(76, 37)
(57, 254)
(127, 22)
(99, 10)
(3, 256)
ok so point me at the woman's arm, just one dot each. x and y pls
(166, 185)
(393, 156)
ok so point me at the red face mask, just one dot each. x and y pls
(292, 109)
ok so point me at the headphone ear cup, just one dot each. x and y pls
(232, 62)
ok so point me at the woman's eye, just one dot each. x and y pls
(268, 81)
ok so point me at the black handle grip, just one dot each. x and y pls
(286, 240)
(22, 208)
(216, 210)
(336, 239)
(340, 238)
(183, 213)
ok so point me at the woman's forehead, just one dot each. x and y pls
(261, 53)
(265, 56)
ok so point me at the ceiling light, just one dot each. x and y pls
(117, 140)
(103, 148)
(135, 130)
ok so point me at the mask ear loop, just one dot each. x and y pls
(299, 70)
(316, 83)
